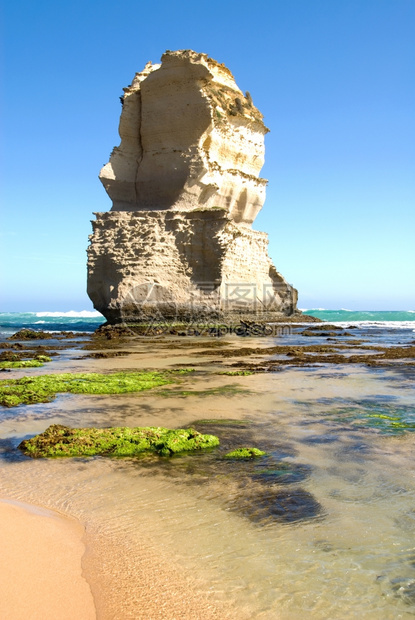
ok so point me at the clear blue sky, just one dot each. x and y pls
(335, 80)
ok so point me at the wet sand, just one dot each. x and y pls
(43, 569)
(41, 565)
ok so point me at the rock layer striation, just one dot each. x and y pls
(185, 188)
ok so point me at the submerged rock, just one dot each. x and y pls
(282, 505)
(185, 186)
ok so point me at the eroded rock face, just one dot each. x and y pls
(177, 243)
(189, 138)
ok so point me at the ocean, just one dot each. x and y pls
(363, 316)
(89, 321)
(83, 321)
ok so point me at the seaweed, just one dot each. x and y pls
(37, 362)
(43, 388)
(235, 373)
(245, 453)
(63, 441)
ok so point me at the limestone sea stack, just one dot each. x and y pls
(185, 187)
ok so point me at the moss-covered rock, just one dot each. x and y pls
(29, 334)
(58, 441)
(38, 361)
(236, 373)
(245, 453)
(9, 356)
(43, 388)
(22, 364)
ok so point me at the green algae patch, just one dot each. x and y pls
(63, 441)
(224, 390)
(37, 362)
(236, 373)
(224, 422)
(43, 388)
(389, 418)
(244, 453)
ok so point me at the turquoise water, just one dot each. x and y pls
(88, 321)
(388, 328)
(343, 315)
(84, 321)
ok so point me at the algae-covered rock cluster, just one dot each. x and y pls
(30, 334)
(244, 453)
(347, 351)
(36, 362)
(60, 440)
(43, 388)
(236, 373)
(39, 334)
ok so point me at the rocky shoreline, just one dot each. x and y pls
(219, 368)
(338, 345)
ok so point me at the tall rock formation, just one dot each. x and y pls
(185, 186)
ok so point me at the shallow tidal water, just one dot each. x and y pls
(323, 525)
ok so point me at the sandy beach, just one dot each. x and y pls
(42, 578)
(41, 565)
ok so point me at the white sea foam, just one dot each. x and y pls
(84, 314)
(362, 324)
(374, 324)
